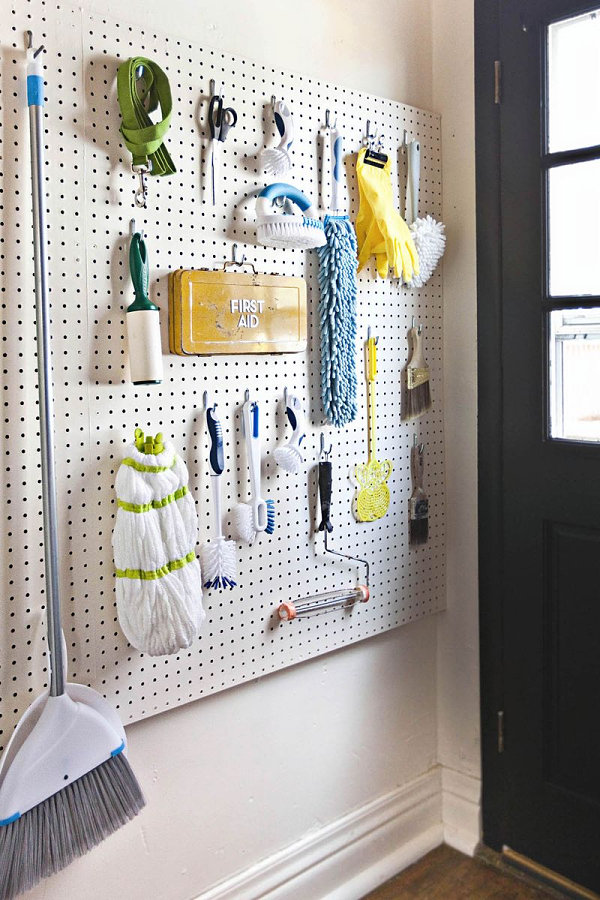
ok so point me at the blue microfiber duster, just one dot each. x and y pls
(337, 319)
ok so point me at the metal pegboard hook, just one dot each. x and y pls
(29, 42)
(238, 263)
(419, 327)
(328, 122)
(324, 454)
(133, 229)
(370, 138)
(369, 336)
(205, 402)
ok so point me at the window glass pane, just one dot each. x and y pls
(574, 83)
(575, 374)
(574, 229)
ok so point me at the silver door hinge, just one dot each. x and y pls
(500, 731)
(497, 81)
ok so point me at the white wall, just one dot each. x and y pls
(385, 50)
(234, 777)
(458, 636)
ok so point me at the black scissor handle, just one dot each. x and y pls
(215, 116)
(228, 120)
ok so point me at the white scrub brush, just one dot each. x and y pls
(218, 556)
(249, 519)
(276, 161)
(287, 229)
(289, 456)
(427, 233)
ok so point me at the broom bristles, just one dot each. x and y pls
(54, 833)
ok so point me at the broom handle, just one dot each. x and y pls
(35, 99)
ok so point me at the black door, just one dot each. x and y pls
(539, 328)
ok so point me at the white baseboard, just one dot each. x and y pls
(349, 857)
(461, 810)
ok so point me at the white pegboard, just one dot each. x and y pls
(90, 203)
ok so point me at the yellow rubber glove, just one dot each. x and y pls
(387, 227)
(368, 236)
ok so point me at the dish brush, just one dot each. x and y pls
(287, 229)
(289, 456)
(218, 556)
(276, 161)
(249, 519)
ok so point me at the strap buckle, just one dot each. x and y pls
(142, 192)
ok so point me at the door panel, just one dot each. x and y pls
(545, 778)
(572, 660)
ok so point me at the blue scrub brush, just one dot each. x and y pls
(280, 226)
(289, 456)
(249, 519)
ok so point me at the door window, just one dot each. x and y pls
(571, 166)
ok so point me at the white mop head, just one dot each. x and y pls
(159, 583)
(430, 242)
(219, 563)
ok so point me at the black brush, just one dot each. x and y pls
(419, 502)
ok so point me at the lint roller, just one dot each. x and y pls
(143, 321)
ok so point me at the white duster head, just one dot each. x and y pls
(430, 243)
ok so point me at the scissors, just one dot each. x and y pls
(220, 120)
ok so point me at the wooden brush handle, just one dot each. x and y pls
(417, 360)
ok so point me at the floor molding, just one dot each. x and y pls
(461, 810)
(351, 856)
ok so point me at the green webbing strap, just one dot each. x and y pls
(138, 97)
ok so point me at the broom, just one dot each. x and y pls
(65, 783)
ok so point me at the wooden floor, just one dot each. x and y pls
(445, 874)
